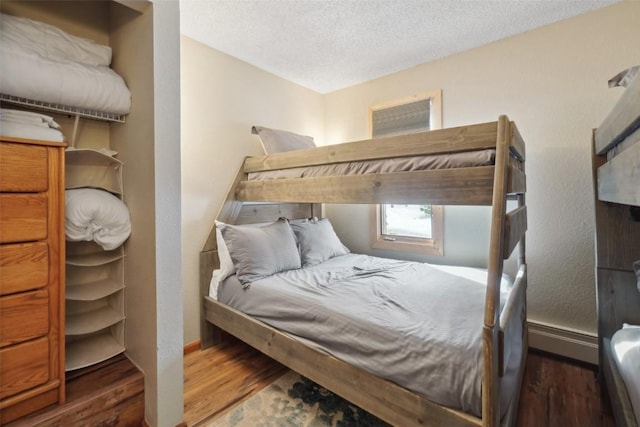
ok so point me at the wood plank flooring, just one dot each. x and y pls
(555, 391)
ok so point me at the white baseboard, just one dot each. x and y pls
(573, 344)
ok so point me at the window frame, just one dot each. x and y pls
(428, 246)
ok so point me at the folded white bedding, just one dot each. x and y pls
(625, 346)
(51, 42)
(63, 82)
(29, 131)
(43, 63)
(97, 215)
(28, 117)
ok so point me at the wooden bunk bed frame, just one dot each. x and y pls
(300, 198)
(616, 173)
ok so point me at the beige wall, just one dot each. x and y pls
(553, 83)
(222, 98)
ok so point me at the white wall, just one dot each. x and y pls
(222, 98)
(553, 83)
(167, 166)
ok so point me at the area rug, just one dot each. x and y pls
(295, 401)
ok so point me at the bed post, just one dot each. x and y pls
(490, 330)
(209, 334)
(209, 261)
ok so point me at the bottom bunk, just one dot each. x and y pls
(402, 340)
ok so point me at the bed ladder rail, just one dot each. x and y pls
(506, 231)
(514, 230)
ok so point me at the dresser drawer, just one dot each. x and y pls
(23, 217)
(24, 366)
(23, 317)
(23, 168)
(23, 267)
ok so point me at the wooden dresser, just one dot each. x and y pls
(32, 276)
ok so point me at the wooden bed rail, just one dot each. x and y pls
(437, 187)
(491, 328)
(451, 140)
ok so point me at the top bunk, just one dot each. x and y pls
(456, 166)
(616, 145)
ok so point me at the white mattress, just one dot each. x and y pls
(415, 324)
(625, 347)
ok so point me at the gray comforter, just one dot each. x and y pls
(411, 323)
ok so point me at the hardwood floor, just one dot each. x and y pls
(555, 391)
(219, 377)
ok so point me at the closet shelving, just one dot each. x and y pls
(63, 109)
(95, 277)
(94, 295)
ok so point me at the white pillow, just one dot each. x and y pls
(317, 241)
(226, 268)
(277, 141)
(97, 215)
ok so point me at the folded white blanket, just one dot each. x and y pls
(51, 42)
(29, 131)
(28, 117)
(97, 215)
(74, 84)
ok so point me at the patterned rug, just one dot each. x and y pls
(295, 401)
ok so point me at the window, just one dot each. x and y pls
(412, 228)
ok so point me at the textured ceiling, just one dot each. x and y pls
(327, 45)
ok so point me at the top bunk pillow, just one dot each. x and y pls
(277, 141)
(318, 241)
(51, 42)
(259, 252)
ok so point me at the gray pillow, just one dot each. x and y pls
(277, 141)
(317, 241)
(259, 252)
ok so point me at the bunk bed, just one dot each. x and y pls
(616, 172)
(492, 183)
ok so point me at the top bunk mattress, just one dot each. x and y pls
(399, 164)
(415, 324)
